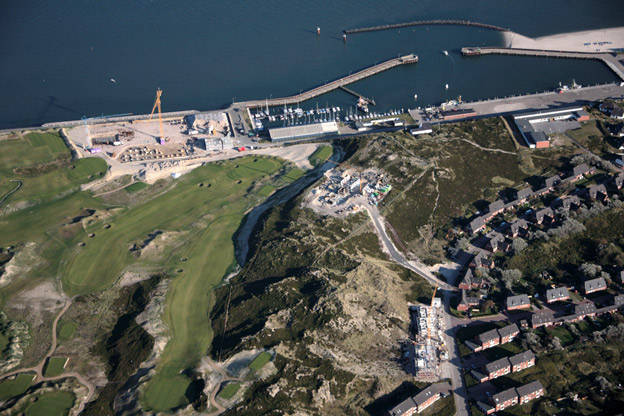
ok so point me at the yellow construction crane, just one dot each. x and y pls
(349, 166)
(157, 104)
(430, 312)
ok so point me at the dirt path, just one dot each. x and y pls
(213, 395)
(487, 149)
(116, 189)
(38, 369)
(19, 185)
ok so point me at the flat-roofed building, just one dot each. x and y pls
(280, 134)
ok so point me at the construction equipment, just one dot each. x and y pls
(157, 104)
(86, 121)
(430, 313)
(348, 166)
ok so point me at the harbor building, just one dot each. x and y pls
(281, 134)
(536, 126)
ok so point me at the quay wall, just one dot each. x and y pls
(425, 23)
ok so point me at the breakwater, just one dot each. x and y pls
(424, 23)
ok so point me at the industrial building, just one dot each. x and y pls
(534, 126)
(281, 134)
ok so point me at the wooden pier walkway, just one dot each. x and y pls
(612, 62)
(330, 86)
(370, 101)
(425, 23)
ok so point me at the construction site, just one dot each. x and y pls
(347, 188)
(424, 353)
(129, 139)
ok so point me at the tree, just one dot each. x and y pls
(463, 243)
(602, 382)
(487, 305)
(531, 340)
(590, 270)
(518, 245)
(555, 344)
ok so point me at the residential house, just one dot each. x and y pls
(406, 408)
(481, 260)
(595, 285)
(420, 401)
(618, 300)
(618, 130)
(466, 302)
(567, 203)
(607, 106)
(470, 282)
(530, 391)
(495, 208)
(517, 227)
(617, 113)
(523, 194)
(426, 398)
(498, 368)
(476, 225)
(521, 361)
(598, 192)
(544, 318)
(497, 243)
(551, 182)
(488, 339)
(584, 309)
(543, 214)
(579, 172)
(505, 399)
(508, 333)
(618, 180)
(518, 302)
(557, 294)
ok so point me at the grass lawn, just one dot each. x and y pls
(66, 330)
(12, 388)
(55, 403)
(472, 331)
(55, 366)
(266, 190)
(320, 155)
(136, 187)
(505, 350)
(229, 391)
(209, 251)
(562, 333)
(260, 361)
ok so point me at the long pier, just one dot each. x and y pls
(330, 86)
(350, 91)
(607, 58)
(425, 23)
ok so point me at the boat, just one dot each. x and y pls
(445, 53)
(575, 86)
(362, 105)
(562, 89)
(446, 86)
(415, 97)
(113, 80)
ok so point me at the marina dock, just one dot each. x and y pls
(330, 86)
(370, 101)
(608, 59)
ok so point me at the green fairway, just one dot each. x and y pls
(55, 366)
(66, 330)
(229, 391)
(12, 388)
(136, 187)
(55, 403)
(320, 155)
(260, 361)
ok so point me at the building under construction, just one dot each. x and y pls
(426, 350)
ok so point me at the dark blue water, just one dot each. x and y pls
(57, 58)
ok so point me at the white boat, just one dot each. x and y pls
(362, 105)
(445, 53)
(113, 80)
(446, 86)
(415, 97)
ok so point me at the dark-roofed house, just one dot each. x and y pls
(521, 361)
(618, 180)
(476, 225)
(583, 309)
(557, 294)
(617, 113)
(406, 408)
(579, 171)
(598, 192)
(530, 391)
(466, 302)
(488, 339)
(551, 182)
(498, 368)
(505, 399)
(518, 226)
(567, 203)
(497, 243)
(481, 260)
(508, 333)
(495, 208)
(542, 214)
(523, 194)
(470, 281)
(595, 285)
(518, 302)
(427, 397)
(607, 106)
(618, 300)
(545, 318)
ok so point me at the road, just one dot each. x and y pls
(453, 368)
